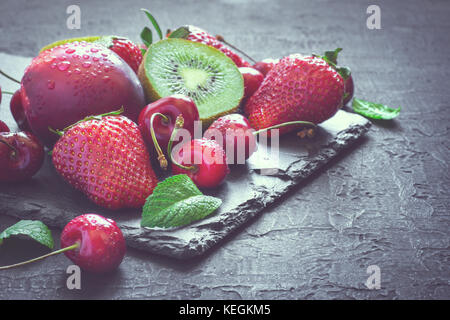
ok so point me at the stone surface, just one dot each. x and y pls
(383, 202)
(245, 194)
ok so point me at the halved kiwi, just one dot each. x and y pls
(196, 70)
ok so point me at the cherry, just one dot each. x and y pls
(100, 243)
(211, 168)
(157, 121)
(203, 160)
(265, 65)
(3, 127)
(18, 112)
(21, 156)
(95, 243)
(234, 133)
(252, 80)
(349, 88)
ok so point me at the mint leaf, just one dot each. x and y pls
(154, 23)
(181, 33)
(146, 36)
(34, 229)
(374, 110)
(175, 202)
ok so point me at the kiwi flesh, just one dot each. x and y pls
(208, 76)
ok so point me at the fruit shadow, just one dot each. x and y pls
(187, 265)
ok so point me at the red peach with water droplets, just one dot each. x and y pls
(67, 83)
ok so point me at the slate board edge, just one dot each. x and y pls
(138, 238)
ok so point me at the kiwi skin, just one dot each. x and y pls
(151, 95)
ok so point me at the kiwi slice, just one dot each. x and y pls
(209, 77)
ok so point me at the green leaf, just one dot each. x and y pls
(374, 110)
(332, 55)
(175, 202)
(154, 23)
(181, 33)
(146, 36)
(34, 229)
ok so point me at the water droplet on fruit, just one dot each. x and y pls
(63, 66)
(86, 64)
(106, 78)
(85, 56)
(69, 51)
(96, 58)
(77, 71)
(107, 69)
(51, 84)
(62, 58)
(94, 50)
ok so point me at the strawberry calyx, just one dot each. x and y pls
(330, 57)
(146, 33)
(88, 118)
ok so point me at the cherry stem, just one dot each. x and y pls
(97, 117)
(9, 77)
(161, 157)
(285, 124)
(179, 123)
(72, 247)
(9, 146)
(221, 39)
(8, 92)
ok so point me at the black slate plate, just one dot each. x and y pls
(245, 194)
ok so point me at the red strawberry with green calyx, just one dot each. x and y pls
(105, 158)
(296, 89)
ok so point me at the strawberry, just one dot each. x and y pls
(106, 159)
(296, 88)
(126, 49)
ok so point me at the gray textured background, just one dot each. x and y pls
(384, 203)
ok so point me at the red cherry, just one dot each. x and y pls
(168, 109)
(18, 112)
(235, 135)
(101, 245)
(265, 65)
(203, 160)
(252, 80)
(349, 88)
(21, 156)
(3, 127)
